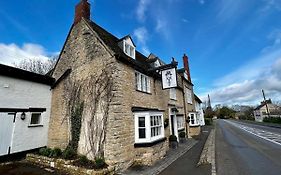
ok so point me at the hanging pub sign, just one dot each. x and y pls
(169, 78)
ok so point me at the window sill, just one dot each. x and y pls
(139, 145)
(149, 93)
(193, 126)
(173, 99)
(34, 126)
(180, 129)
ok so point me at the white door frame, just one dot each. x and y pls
(173, 123)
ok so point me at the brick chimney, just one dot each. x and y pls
(186, 67)
(82, 10)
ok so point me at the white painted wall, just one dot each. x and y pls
(260, 113)
(200, 114)
(16, 93)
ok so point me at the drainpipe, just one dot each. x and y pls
(185, 111)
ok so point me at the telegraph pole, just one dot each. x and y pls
(265, 103)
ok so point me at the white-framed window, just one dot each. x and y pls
(129, 50)
(193, 119)
(180, 122)
(188, 95)
(149, 127)
(142, 82)
(173, 93)
(35, 119)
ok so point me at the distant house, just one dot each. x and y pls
(260, 112)
(24, 110)
(199, 111)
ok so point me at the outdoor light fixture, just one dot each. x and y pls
(22, 116)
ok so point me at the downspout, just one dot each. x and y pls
(185, 111)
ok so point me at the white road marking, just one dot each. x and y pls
(269, 136)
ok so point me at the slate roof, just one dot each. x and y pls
(25, 75)
(197, 98)
(141, 61)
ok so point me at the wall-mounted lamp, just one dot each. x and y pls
(22, 116)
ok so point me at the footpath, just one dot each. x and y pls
(183, 160)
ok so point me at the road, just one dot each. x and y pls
(243, 148)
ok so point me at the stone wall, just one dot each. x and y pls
(149, 155)
(66, 165)
(194, 130)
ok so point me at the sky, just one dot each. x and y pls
(234, 46)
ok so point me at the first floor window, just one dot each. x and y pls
(35, 119)
(142, 82)
(148, 127)
(173, 93)
(188, 95)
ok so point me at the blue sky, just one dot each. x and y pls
(234, 46)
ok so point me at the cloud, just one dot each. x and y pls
(230, 9)
(202, 2)
(141, 35)
(141, 9)
(271, 4)
(248, 89)
(12, 53)
(243, 85)
(16, 24)
(184, 20)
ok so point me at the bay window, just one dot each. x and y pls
(148, 127)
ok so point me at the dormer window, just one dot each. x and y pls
(128, 46)
(129, 50)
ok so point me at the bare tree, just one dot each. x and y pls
(37, 65)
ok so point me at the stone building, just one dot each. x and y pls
(109, 102)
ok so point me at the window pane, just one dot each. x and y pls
(142, 133)
(35, 119)
(136, 79)
(141, 121)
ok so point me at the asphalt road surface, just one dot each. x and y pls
(243, 148)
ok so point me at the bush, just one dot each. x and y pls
(45, 151)
(99, 162)
(272, 120)
(208, 121)
(173, 138)
(182, 134)
(69, 153)
(56, 152)
(84, 160)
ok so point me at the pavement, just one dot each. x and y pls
(187, 164)
(182, 160)
(171, 156)
(243, 148)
